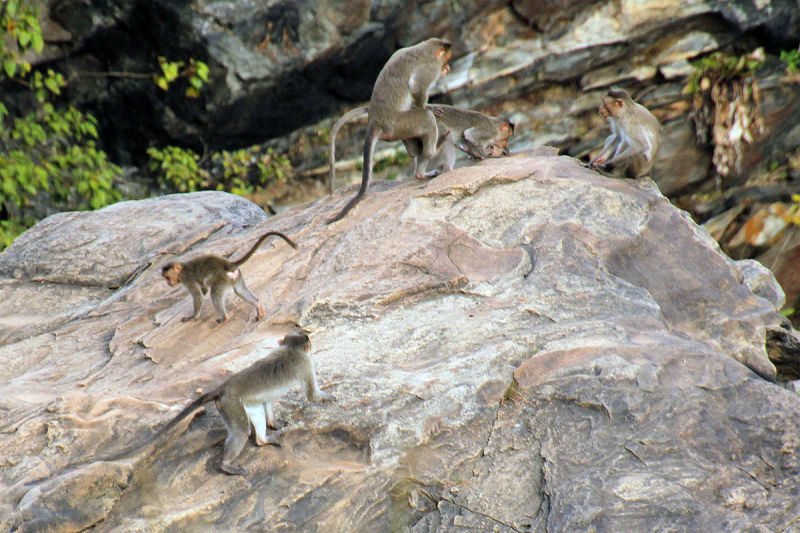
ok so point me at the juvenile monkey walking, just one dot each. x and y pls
(397, 106)
(635, 138)
(246, 398)
(220, 276)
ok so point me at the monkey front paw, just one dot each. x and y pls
(221, 320)
(233, 470)
(187, 318)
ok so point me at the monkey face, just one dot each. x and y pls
(612, 107)
(172, 274)
(495, 149)
(443, 54)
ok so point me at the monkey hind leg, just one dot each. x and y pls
(218, 294)
(247, 295)
(258, 418)
(237, 423)
(419, 124)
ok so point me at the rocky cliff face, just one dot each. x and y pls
(281, 71)
(522, 345)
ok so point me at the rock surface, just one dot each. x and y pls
(277, 66)
(521, 345)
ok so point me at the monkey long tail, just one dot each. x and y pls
(188, 410)
(261, 239)
(347, 117)
(369, 147)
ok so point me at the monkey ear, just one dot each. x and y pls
(619, 103)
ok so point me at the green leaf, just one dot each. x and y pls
(24, 38)
(52, 85)
(202, 70)
(162, 82)
(10, 67)
(11, 8)
(37, 41)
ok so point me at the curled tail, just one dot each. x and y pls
(347, 117)
(369, 147)
(248, 255)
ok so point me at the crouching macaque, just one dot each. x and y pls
(478, 135)
(220, 276)
(635, 138)
(397, 106)
(245, 399)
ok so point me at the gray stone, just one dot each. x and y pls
(519, 345)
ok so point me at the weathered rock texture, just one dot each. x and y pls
(280, 65)
(522, 345)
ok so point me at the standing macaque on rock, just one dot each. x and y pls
(478, 135)
(397, 106)
(635, 138)
(218, 275)
(245, 399)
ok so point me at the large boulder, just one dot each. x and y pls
(521, 345)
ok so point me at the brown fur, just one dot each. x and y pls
(635, 138)
(397, 107)
(245, 399)
(217, 275)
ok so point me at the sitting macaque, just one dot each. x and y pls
(218, 275)
(635, 138)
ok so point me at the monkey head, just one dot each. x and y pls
(615, 104)
(297, 339)
(498, 146)
(443, 53)
(172, 273)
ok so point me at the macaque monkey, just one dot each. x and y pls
(478, 135)
(397, 106)
(635, 138)
(220, 276)
(245, 399)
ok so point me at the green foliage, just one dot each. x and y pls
(397, 159)
(48, 153)
(10, 230)
(240, 169)
(792, 60)
(196, 72)
(240, 172)
(177, 169)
